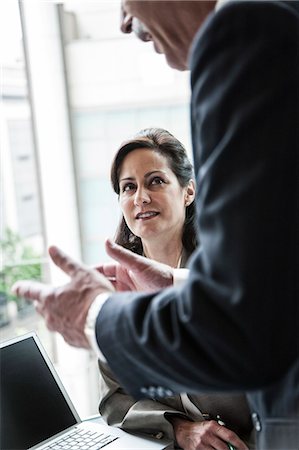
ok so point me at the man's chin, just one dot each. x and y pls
(178, 65)
(174, 64)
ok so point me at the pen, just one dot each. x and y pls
(218, 419)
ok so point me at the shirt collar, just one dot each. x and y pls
(220, 3)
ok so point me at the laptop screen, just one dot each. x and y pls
(33, 407)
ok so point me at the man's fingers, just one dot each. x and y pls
(230, 437)
(125, 257)
(32, 290)
(64, 261)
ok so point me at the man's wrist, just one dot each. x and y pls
(90, 324)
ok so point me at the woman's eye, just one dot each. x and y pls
(157, 180)
(128, 187)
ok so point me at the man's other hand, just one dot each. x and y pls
(206, 435)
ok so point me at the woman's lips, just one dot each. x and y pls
(146, 215)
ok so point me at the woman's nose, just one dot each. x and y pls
(141, 197)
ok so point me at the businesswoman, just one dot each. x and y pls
(153, 178)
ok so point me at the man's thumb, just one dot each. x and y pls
(123, 256)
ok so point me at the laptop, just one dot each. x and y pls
(37, 413)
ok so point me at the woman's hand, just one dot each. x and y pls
(132, 272)
(206, 435)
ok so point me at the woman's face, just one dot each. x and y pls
(151, 198)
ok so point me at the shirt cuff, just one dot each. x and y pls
(180, 276)
(90, 324)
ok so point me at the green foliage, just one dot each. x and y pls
(18, 262)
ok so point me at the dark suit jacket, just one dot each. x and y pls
(234, 325)
(150, 416)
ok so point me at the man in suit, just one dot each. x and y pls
(233, 325)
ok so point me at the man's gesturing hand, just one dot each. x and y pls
(65, 307)
(133, 272)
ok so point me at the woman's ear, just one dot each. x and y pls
(190, 193)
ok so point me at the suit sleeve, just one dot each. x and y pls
(234, 324)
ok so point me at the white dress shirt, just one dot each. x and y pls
(179, 276)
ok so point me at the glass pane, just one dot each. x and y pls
(21, 232)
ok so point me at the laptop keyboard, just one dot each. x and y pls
(82, 440)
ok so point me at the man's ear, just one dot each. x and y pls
(190, 193)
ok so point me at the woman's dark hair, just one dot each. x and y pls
(163, 142)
